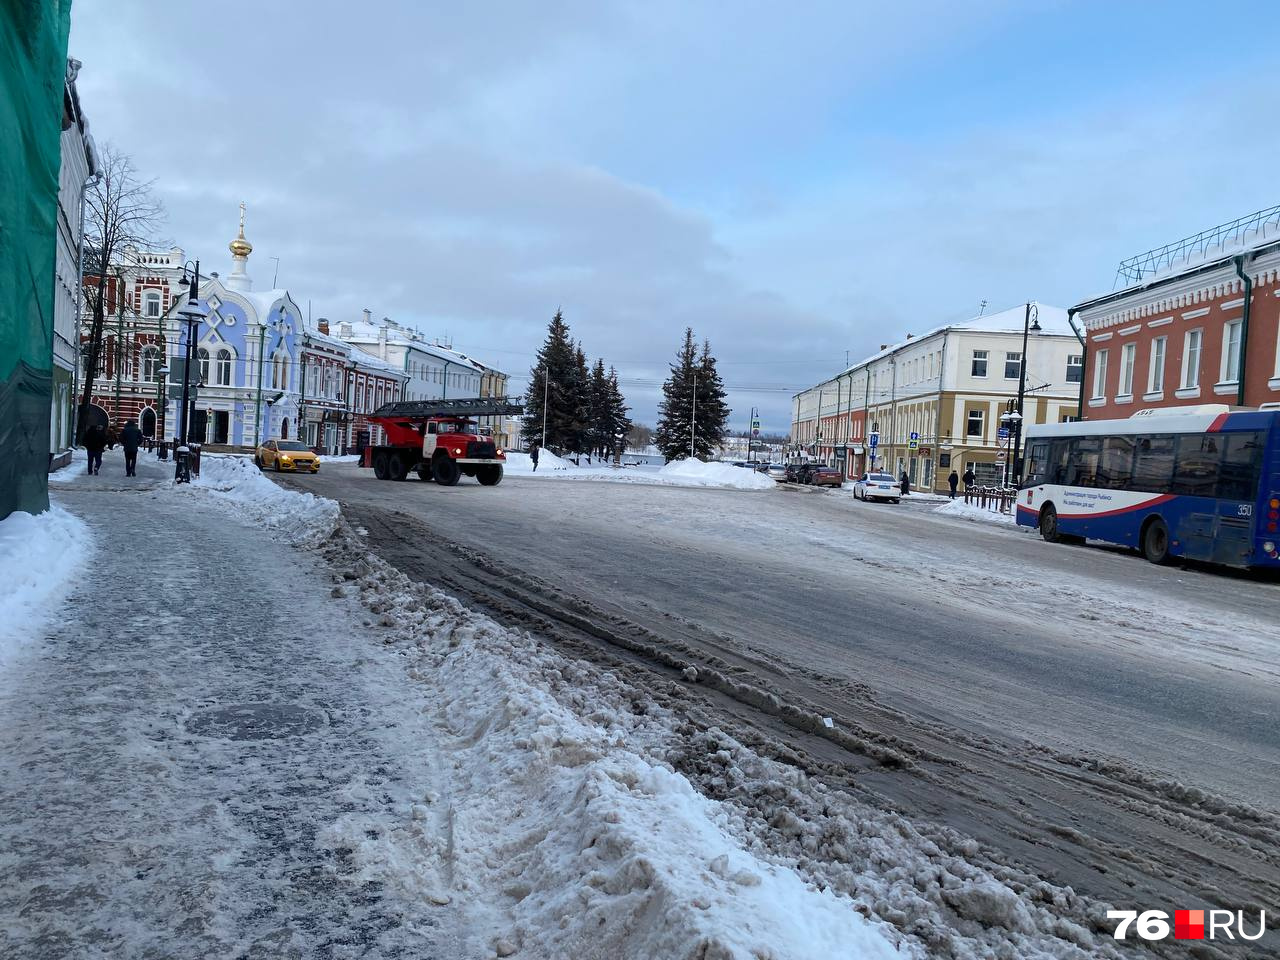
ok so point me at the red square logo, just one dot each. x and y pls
(1188, 924)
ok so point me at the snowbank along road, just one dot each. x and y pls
(1068, 714)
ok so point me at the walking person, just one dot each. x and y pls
(969, 479)
(95, 441)
(533, 455)
(130, 440)
(953, 481)
(904, 484)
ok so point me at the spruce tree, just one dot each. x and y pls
(553, 377)
(598, 413)
(619, 424)
(675, 411)
(712, 411)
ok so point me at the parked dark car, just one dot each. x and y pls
(820, 475)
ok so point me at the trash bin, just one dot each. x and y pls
(162, 450)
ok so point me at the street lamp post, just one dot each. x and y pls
(1030, 324)
(278, 326)
(161, 373)
(192, 312)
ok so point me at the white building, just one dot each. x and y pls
(434, 372)
(78, 166)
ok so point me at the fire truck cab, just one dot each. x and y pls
(439, 440)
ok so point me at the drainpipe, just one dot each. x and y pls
(1084, 359)
(1244, 328)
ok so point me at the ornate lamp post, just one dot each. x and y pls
(1030, 324)
(193, 311)
(161, 373)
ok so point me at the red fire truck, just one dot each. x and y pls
(438, 440)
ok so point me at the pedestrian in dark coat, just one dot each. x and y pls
(905, 484)
(953, 481)
(533, 455)
(95, 441)
(130, 440)
(969, 478)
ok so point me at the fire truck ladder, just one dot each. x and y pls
(473, 407)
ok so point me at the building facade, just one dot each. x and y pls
(77, 170)
(1198, 322)
(935, 402)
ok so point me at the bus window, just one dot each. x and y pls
(1196, 471)
(1238, 474)
(1153, 464)
(1036, 463)
(1116, 470)
(1059, 458)
(1085, 457)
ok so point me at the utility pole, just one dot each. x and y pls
(693, 419)
(119, 339)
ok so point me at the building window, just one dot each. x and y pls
(224, 367)
(150, 364)
(973, 425)
(1231, 352)
(1191, 359)
(979, 368)
(1127, 354)
(202, 360)
(151, 304)
(1100, 375)
(1012, 366)
(1155, 379)
(1075, 368)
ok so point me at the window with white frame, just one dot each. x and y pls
(151, 304)
(1100, 374)
(1155, 376)
(223, 369)
(1075, 368)
(1231, 352)
(979, 368)
(1012, 366)
(1128, 354)
(202, 364)
(973, 423)
(150, 364)
(1191, 359)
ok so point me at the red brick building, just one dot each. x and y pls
(1197, 323)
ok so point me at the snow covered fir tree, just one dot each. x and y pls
(692, 416)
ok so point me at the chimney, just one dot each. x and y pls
(382, 340)
(884, 346)
(344, 330)
(323, 325)
(368, 315)
(910, 336)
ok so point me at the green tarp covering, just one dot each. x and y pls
(33, 64)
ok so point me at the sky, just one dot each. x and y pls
(799, 183)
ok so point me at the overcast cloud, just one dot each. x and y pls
(792, 181)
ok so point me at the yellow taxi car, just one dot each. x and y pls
(286, 455)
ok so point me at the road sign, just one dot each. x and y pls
(926, 451)
(1000, 457)
(1003, 433)
(913, 442)
(874, 440)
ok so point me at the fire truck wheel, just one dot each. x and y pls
(489, 476)
(446, 471)
(380, 466)
(424, 472)
(397, 469)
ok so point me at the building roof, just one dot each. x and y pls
(369, 360)
(370, 332)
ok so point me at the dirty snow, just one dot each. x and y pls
(40, 558)
(296, 517)
(971, 511)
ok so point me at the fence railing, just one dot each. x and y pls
(995, 499)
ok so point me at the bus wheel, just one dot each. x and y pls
(397, 469)
(446, 471)
(380, 466)
(1049, 523)
(1155, 541)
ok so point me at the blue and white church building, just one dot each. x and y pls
(247, 351)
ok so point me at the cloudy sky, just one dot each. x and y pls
(794, 181)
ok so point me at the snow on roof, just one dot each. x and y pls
(369, 360)
(366, 332)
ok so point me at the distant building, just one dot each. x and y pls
(1197, 321)
(78, 165)
(935, 401)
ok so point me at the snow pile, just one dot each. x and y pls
(349, 458)
(596, 850)
(521, 464)
(39, 558)
(971, 511)
(695, 472)
(297, 517)
(77, 468)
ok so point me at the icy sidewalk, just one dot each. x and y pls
(201, 714)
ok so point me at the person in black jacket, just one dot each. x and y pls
(953, 481)
(533, 455)
(969, 478)
(905, 484)
(95, 441)
(130, 440)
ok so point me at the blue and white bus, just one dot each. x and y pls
(1200, 483)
